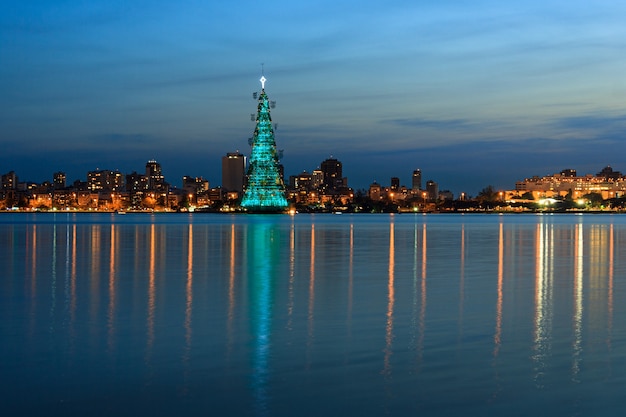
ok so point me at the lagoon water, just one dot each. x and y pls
(312, 315)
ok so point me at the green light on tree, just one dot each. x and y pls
(265, 191)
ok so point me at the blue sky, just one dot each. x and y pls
(471, 92)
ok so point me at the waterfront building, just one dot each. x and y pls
(136, 182)
(416, 180)
(59, 180)
(374, 192)
(155, 177)
(194, 185)
(233, 171)
(607, 183)
(105, 180)
(332, 173)
(303, 181)
(317, 178)
(446, 195)
(9, 181)
(608, 174)
(265, 190)
(432, 190)
(395, 183)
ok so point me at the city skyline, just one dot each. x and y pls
(229, 171)
(472, 95)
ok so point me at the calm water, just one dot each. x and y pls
(312, 315)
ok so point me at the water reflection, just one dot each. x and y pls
(498, 332)
(53, 281)
(422, 319)
(311, 298)
(33, 278)
(350, 279)
(112, 276)
(544, 258)
(73, 302)
(263, 304)
(390, 302)
(151, 294)
(231, 289)
(419, 249)
(263, 256)
(292, 275)
(462, 283)
(578, 299)
(189, 294)
(95, 271)
(610, 288)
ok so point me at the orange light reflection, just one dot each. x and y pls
(498, 332)
(390, 303)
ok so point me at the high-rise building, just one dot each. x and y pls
(136, 182)
(608, 173)
(332, 170)
(374, 192)
(194, 185)
(416, 182)
(233, 171)
(395, 183)
(265, 190)
(317, 178)
(302, 181)
(154, 175)
(105, 180)
(59, 180)
(432, 189)
(9, 181)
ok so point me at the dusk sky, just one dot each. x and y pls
(471, 92)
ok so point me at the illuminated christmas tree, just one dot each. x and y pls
(265, 191)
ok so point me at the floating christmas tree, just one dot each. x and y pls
(265, 191)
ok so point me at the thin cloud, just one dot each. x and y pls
(449, 124)
(592, 122)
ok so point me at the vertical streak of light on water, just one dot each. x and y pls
(390, 303)
(610, 294)
(231, 292)
(422, 318)
(188, 310)
(32, 302)
(261, 313)
(54, 276)
(33, 274)
(414, 317)
(543, 297)
(538, 305)
(350, 280)
(151, 296)
(462, 284)
(73, 289)
(33, 285)
(189, 294)
(292, 274)
(34, 264)
(497, 338)
(66, 284)
(311, 300)
(538, 284)
(112, 272)
(94, 302)
(578, 300)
